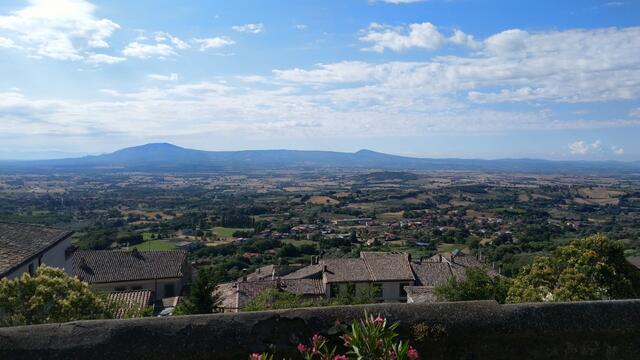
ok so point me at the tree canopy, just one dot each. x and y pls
(476, 285)
(49, 296)
(593, 268)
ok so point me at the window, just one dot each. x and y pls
(334, 290)
(137, 287)
(120, 288)
(32, 269)
(168, 290)
(403, 292)
(377, 290)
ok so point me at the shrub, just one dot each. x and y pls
(366, 339)
(50, 296)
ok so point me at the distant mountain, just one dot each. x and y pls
(165, 157)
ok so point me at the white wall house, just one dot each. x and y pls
(24, 248)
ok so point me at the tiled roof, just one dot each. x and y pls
(266, 272)
(311, 271)
(129, 300)
(369, 267)
(346, 270)
(634, 260)
(303, 286)
(237, 295)
(20, 242)
(388, 266)
(439, 270)
(103, 266)
(432, 273)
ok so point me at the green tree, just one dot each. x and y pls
(202, 298)
(277, 299)
(49, 296)
(476, 285)
(593, 268)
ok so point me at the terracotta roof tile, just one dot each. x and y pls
(129, 300)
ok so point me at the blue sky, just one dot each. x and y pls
(436, 78)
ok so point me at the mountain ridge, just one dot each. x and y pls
(170, 157)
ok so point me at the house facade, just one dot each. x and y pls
(164, 273)
(24, 248)
(386, 274)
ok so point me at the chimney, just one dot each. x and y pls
(244, 275)
(273, 273)
(439, 257)
(409, 257)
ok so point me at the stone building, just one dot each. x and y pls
(164, 273)
(23, 248)
(393, 276)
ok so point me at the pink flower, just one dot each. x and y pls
(302, 348)
(393, 355)
(413, 353)
(256, 356)
(378, 320)
(316, 339)
(340, 357)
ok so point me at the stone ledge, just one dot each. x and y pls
(465, 330)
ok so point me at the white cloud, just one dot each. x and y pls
(635, 112)
(250, 28)
(300, 26)
(423, 35)
(6, 43)
(581, 147)
(58, 29)
(160, 77)
(416, 36)
(617, 150)
(342, 72)
(213, 43)
(104, 59)
(578, 148)
(166, 37)
(145, 51)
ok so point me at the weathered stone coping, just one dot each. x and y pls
(465, 330)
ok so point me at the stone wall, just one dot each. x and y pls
(469, 330)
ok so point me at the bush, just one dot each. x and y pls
(477, 285)
(593, 268)
(369, 339)
(50, 296)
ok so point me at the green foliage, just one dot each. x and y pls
(49, 296)
(368, 339)
(477, 285)
(593, 268)
(276, 299)
(201, 299)
(350, 296)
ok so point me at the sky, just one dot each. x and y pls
(433, 78)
